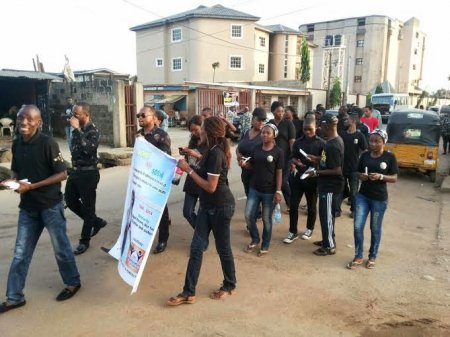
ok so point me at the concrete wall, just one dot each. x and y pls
(279, 54)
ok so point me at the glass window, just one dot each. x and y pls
(176, 64)
(176, 34)
(328, 40)
(361, 21)
(337, 40)
(414, 67)
(236, 31)
(310, 28)
(360, 43)
(261, 68)
(236, 62)
(358, 79)
(262, 41)
(359, 61)
(159, 63)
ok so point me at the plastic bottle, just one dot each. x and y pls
(177, 176)
(277, 214)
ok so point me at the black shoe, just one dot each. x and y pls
(324, 251)
(82, 247)
(99, 225)
(160, 247)
(4, 307)
(67, 293)
(106, 250)
(318, 243)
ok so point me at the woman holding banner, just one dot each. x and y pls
(215, 213)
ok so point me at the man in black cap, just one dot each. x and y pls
(329, 183)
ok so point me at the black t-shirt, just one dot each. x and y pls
(189, 185)
(36, 160)
(385, 164)
(364, 129)
(84, 145)
(298, 124)
(286, 132)
(215, 163)
(332, 157)
(354, 144)
(264, 167)
(159, 138)
(246, 145)
(314, 146)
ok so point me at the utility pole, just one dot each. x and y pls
(327, 104)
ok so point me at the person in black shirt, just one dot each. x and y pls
(160, 139)
(376, 168)
(290, 113)
(284, 140)
(313, 146)
(81, 187)
(266, 162)
(37, 158)
(363, 128)
(330, 183)
(65, 117)
(342, 120)
(216, 210)
(354, 144)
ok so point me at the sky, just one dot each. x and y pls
(95, 33)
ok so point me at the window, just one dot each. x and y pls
(358, 79)
(328, 40)
(176, 64)
(261, 68)
(361, 22)
(235, 62)
(310, 28)
(359, 61)
(176, 35)
(415, 51)
(360, 43)
(262, 41)
(236, 31)
(337, 40)
(414, 67)
(417, 35)
(159, 63)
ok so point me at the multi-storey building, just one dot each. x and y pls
(363, 52)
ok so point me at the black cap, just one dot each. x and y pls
(260, 113)
(329, 118)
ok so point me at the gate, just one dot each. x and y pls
(130, 115)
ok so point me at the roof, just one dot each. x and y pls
(214, 12)
(32, 75)
(97, 71)
(167, 99)
(344, 19)
(282, 29)
(263, 89)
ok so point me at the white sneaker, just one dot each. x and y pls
(307, 235)
(290, 238)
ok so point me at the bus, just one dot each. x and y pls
(387, 103)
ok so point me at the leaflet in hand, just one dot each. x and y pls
(303, 153)
(13, 184)
(307, 172)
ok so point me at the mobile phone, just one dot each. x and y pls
(180, 149)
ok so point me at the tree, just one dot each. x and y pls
(379, 89)
(305, 67)
(336, 94)
(215, 65)
(369, 99)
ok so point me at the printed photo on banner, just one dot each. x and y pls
(230, 98)
(149, 185)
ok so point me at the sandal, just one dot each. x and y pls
(249, 248)
(355, 263)
(263, 252)
(370, 264)
(181, 299)
(221, 294)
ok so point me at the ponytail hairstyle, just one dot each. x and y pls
(215, 133)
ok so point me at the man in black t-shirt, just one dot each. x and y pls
(330, 183)
(37, 158)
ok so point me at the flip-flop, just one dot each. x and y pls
(370, 264)
(355, 263)
(221, 294)
(181, 299)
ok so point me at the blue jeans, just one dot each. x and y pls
(190, 201)
(218, 221)
(363, 207)
(68, 130)
(29, 229)
(251, 210)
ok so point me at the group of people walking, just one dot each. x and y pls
(278, 159)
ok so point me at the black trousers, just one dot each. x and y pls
(164, 226)
(308, 187)
(446, 143)
(81, 195)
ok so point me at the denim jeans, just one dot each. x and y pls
(363, 207)
(190, 201)
(29, 229)
(218, 221)
(254, 199)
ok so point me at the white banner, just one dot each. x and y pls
(149, 186)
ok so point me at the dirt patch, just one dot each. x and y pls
(424, 327)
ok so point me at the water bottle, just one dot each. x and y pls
(177, 176)
(277, 214)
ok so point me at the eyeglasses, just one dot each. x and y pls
(143, 115)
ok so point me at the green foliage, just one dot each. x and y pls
(336, 94)
(305, 67)
(379, 89)
(369, 99)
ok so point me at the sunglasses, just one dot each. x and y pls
(143, 115)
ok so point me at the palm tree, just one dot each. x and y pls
(215, 65)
